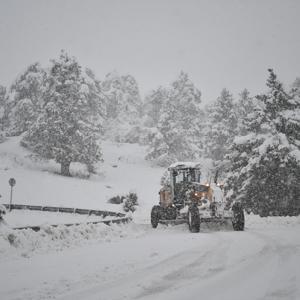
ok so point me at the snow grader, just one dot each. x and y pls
(184, 199)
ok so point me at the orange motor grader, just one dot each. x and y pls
(186, 200)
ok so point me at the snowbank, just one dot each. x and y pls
(22, 218)
(27, 242)
(257, 222)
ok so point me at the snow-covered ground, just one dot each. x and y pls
(22, 218)
(133, 261)
(124, 170)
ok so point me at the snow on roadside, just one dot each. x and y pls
(22, 218)
(257, 222)
(26, 242)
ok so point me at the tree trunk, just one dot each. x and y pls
(65, 168)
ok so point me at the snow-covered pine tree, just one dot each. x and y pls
(221, 128)
(295, 88)
(96, 113)
(96, 99)
(3, 99)
(123, 106)
(265, 171)
(169, 144)
(3, 115)
(244, 108)
(177, 135)
(26, 99)
(133, 102)
(153, 105)
(187, 99)
(65, 130)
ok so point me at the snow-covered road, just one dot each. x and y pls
(166, 263)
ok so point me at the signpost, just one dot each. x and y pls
(12, 183)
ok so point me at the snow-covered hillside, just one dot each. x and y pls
(132, 261)
(124, 170)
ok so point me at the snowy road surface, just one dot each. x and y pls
(166, 263)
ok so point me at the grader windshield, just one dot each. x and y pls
(182, 175)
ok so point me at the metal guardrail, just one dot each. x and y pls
(121, 217)
(80, 211)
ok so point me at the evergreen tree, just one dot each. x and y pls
(178, 129)
(26, 98)
(65, 130)
(265, 162)
(123, 106)
(3, 101)
(96, 99)
(153, 105)
(244, 108)
(23, 116)
(295, 89)
(221, 128)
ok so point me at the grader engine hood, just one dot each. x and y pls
(206, 196)
(201, 192)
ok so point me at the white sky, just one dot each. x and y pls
(225, 43)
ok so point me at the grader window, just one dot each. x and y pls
(202, 188)
(187, 175)
(197, 175)
(179, 177)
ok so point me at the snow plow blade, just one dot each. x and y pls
(173, 222)
(215, 220)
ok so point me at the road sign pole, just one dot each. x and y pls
(11, 194)
(11, 182)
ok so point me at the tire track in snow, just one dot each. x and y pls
(139, 278)
(287, 282)
(170, 263)
(196, 268)
(244, 277)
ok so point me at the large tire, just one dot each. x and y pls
(193, 218)
(155, 215)
(238, 221)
